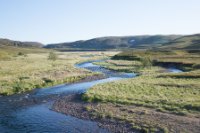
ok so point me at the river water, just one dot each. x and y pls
(39, 118)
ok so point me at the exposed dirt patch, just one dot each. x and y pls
(74, 106)
(139, 116)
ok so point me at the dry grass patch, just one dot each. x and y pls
(23, 73)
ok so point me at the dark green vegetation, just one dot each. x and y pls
(182, 59)
(154, 91)
(107, 43)
(52, 56)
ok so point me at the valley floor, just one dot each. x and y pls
(21, 72)
(155, 101)
(126, 118)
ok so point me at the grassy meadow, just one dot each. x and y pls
(147, 102)
(155, 90)
(26, 69)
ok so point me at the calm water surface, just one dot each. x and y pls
(40, 119)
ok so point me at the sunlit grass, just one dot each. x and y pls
(167, 93)
(154, 88)
(23, 73)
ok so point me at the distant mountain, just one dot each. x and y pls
(7, 42)
(191, 42)
(107, 43)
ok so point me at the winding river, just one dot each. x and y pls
(18, 117)
(37, 117)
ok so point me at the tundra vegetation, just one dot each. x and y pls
(27, 69)
(52, 56)
(155, 101)
(140, 101)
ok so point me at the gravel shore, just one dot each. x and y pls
(74, 106)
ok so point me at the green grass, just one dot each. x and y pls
(181, 59)
(21, 73)
(137, 100)
(15, 50)
(136, 117)
(120, 65)
(170, 94)
(185, 42)
(177, 93)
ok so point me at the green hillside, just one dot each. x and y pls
(9, 48)
(106, 43)
(7, 42)
(191, 42)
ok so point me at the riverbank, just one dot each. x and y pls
(35, 106)
(158, 100)
(28, 98)
(30, 112)
(29, 71)
(74, 105)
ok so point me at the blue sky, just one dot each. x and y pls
(51, 21)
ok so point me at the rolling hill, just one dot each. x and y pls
(108, 43)
(7, 42)
(191, 42)
(162, 42)
(10, 47)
